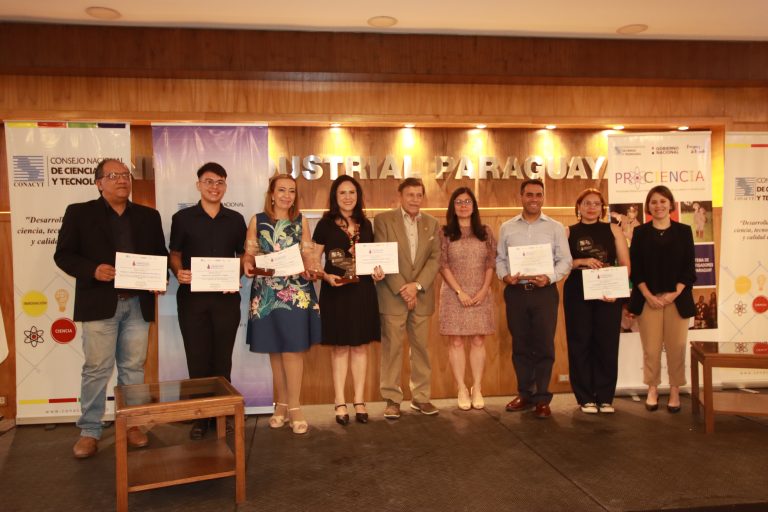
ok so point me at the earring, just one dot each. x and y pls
(578, 216)
(273, 202)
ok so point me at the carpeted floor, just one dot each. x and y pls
(457, 461)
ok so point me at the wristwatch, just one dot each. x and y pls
(419, 288)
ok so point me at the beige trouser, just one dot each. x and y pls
(393, 328)
(663, 327)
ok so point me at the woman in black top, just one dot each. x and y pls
(663, 274)
(349, 310)
(593, 326)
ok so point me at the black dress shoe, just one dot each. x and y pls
(199, 429)
(651, 407)
(341, 419)
(673, 409)
(361, 417)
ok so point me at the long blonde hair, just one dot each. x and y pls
(269, 208)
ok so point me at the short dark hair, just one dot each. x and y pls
(412, 182)
(530, 181)
(662, 191)
(99, 172)
(213, 167)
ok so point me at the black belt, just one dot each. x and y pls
(126, 295)
(527, 286)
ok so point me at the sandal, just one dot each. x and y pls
(360, 417)
(298, 426)
(341, 419)
(277, 420)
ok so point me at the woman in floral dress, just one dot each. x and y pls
(284, 317)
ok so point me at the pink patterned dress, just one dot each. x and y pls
(468, 259)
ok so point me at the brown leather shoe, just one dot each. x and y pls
(85, 447)
(542, 411)
(137, 438)
(392, 411)
(424, 408)
(518, 404)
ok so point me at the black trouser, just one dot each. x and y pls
(592, 328)
(532, 319)
(209, 322)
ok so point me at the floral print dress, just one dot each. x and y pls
(284, 315)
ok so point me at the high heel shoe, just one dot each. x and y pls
(278, 420)
(672, 409)
(477, 399)
(298, 426)
(341, 419)
(651, 407)
(360, 417)
(463, 400)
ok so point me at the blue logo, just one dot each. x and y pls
(28, 168)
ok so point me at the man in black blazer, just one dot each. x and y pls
(115, 322)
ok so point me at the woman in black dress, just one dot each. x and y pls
(593, 326)
(349, 310)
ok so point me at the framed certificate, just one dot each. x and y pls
(369, 256)
(531, 260)
(215, 274)
(140, 271)
(608, 282)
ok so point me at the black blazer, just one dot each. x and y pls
(85, 242)
(662, 271)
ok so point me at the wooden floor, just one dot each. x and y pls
(465, 461)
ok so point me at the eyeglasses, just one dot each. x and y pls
(114, 176)
(213, 183)
(596, 204)
(465, 202)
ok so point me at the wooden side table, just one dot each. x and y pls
(726, 354)
(166, 402)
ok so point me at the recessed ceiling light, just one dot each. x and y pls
(635, 28)
(102, 13)
(480, 126)
(550, 127)
(335, 125)
(682, 128)
(382, 21)
(617, 127)
(409, 125)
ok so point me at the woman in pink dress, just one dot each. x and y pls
(467, 263)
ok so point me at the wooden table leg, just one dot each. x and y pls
(239, 453)
(694, 383)
(121, 463)
(709, 402)
(221, 427)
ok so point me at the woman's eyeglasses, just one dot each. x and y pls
(464, 202)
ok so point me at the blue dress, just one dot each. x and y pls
(284, 315)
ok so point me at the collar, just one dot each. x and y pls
(108, 207)
(404, 214)
(542, 217)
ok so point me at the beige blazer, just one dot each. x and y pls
(390, 227)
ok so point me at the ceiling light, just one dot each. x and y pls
(382, 21)
(628, 30)
(550, 127)
(480, 126)
(335, 125)
(617, 127)
(102, 13)
(409, 125)
(682, 128)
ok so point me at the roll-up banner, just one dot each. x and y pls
(681, 161)
(743, 304)
(179, 150)
(50, 165)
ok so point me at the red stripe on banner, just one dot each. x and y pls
(759, 145)
(61, 400)
(51, 124)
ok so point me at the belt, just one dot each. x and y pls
(527, 286)
(126, 295)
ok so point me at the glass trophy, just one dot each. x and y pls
(339, 259)
(253, 249)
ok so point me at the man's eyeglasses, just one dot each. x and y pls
(114, 176)
(213, 183)
(465, 202)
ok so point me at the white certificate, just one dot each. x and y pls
(287, 262)
(531, 260)
(368, 256)
(608, 282)
(215, 274)
(140, 271)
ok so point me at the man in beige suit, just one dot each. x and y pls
(407, 299)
